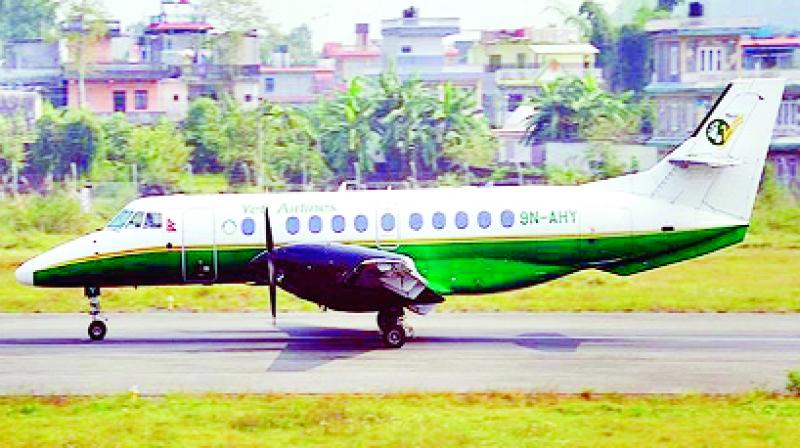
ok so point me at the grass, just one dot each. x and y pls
(441, 420)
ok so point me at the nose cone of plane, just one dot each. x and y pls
(24, 273)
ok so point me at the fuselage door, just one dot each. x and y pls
(199, 251)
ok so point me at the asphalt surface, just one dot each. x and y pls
(335, 352)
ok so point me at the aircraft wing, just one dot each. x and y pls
(350, 277)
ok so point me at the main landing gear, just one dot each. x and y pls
(394, 331)
(97, 327)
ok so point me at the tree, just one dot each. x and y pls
(26, 19)
(204, 132)
(406, 123)
(600, 32)
(64, 138)
(300, 42)
(345, 130)
(235, 15)
(570, 108)
(159, 151)
(85, 26)
(15, 135)
(290, 146)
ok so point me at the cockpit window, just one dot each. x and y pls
(120, 220)
(136, 221)
(152, 221)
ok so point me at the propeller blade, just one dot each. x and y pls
(273, 297)
(268, 230)
(273, 290)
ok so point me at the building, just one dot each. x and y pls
(517, 62)
(350, 61)
(296, 85)
(694, 59)
(34, 65)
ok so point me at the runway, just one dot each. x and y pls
(336, 352)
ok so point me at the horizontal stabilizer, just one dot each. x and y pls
(701, 160)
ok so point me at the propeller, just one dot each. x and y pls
(273, 289)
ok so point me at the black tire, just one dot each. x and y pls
(97, 330)
(388, 318)
(394, 336)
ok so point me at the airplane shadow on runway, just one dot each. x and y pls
(301, 348)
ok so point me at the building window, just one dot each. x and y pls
(140, 97)
(248, 98)
(494, 62)
(119, 101)
(514, 99)
(674, 60)
(176, 98)
(292, 225)
(709, 59)
(521, 60)
(405, 49)
(269, 85)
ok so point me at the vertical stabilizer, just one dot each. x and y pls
(718, 168)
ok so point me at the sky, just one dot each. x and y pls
(334, 20)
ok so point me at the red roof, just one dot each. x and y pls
(772, 42)
(180, 26)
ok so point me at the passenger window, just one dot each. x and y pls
(415, 221)
(136, 221)
(152, 221)
(507, 218)
(315, 224)
(484, 220)
(292, 225)
(337, 223)
(439, 220)
(387, 222)
(361, 223)
(462, 220)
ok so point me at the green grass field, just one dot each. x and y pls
(440, 420)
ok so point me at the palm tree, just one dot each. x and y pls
(570, 107)
(406, 120)
(344, 127)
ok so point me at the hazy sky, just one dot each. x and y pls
(334, 20)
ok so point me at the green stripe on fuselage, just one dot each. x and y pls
(469, 266)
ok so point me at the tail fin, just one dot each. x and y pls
(718, 168)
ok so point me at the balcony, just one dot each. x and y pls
(123, 71)
(421, 26)
(219, 72)
(530, 74)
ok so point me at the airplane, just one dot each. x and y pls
(387, 251)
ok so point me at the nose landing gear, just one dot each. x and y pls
(97, 327)
(394, 331)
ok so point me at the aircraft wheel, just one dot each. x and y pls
(97, 330)
(394, 336)
(389, 317)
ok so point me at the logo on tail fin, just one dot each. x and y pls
(719, 131)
